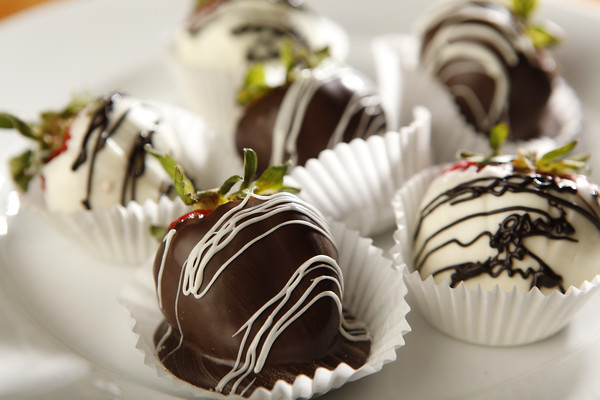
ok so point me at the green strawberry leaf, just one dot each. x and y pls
(250, 167)
(498, 136)
(168, 164)
(465, 154)
(541, 37)
(293, 57)
(271, 180)
(557, 154)
(158, 232)
(8, 121)
(556, 162)
(289, 189)
(22, 168)
(255, 85)
(523, 8)
(315, 58)
(287, 56)
(229, 184)
(525, 160)
(183, 185)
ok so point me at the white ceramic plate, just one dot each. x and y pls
(102, 45)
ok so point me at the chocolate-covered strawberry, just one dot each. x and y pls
(318, 106)
(250, 288)
(91, 154)
(523, 222)
(494, 62)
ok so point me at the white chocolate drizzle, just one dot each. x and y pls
(299, 95)
(478, 37)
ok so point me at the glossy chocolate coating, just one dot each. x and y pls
(528, 78)
(210, 346)
(332, 104)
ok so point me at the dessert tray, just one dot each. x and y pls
(63, 332)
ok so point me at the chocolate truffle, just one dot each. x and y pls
(323, 106)
(251, 294)
(496, 224)
(481, 51)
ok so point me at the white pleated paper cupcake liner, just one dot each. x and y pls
(404, 85)
(488, 317)
(374, 293)
(354, 182)
(120, 234)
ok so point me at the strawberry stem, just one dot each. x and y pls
(271, 181)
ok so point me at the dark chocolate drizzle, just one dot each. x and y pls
(522, 222)
(101, 123)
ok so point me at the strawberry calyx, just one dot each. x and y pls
(542, 35)
(557, 163)
(293, 57)
(234, 188)
(50, 135)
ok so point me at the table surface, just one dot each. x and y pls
(10, 7)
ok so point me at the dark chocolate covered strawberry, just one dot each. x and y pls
(250, 288)
(494, 62)
(318, 106)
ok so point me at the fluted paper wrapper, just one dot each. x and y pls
(355, 182)
(212, 92)
(488, 317)
(374, 293)
(403, 85)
